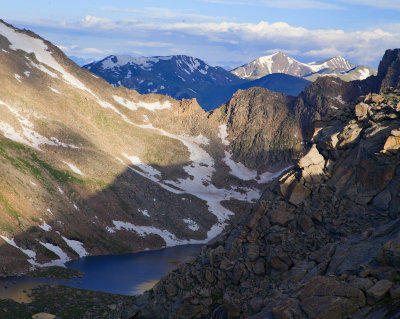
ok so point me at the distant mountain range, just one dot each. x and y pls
(181, 76)
(357, 73)
(281, 63)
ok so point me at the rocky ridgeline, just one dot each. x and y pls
(262, 127)
(322, 242)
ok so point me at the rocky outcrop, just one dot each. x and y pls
(262, 127)
(322, 242)
(389, 71)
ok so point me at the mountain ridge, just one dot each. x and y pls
(181, 76)
(108, 168)
(279, 62)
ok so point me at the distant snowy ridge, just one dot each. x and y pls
(281, 63)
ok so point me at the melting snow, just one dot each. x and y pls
(76, 207)
(77, 246)
(45, 226)
(191, 224)
(340, 99)
(43, 55)
(144, 212)
(30, 253)
(42, 68)
(223, 134)
(133, 106)
(238, 169)
(39, 48)
(170, 239)
(74, 168)
(364, 73)
(27, 74)
(60, 190)
(54, 90)
(28, 136)
(199, 184)
(63, 257)
(18, 77)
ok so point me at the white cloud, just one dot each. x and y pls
(149, 44)
(325, 52)
(167, 14)
(286, 51)
(301, 5)
(282, 4)
(74, 48)
(381, 4)
(92, 50)
(229, 40)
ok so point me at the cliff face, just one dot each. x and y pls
(389, 70)
(322, 242)
(262, 127)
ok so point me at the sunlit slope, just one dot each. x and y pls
(89, 169)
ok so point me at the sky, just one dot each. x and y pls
(220, 32)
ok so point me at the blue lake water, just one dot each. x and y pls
(129, 274)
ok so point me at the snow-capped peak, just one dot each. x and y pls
(279, 62)
(145, 63)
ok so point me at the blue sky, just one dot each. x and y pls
(221, 32)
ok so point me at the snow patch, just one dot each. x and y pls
(60, 190)
(63, 257)
(42, 53)
(340, 99)
(18, 77)
(144, 212)
(199, 184)
(74, 168)
(143, 231)
(133, 106)
(238, 169)
(191, 224)
(28, 136)
(364, 73)
(223, 134)
(45, 226)
(30, 253)
(77, 246)
(54, 90)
